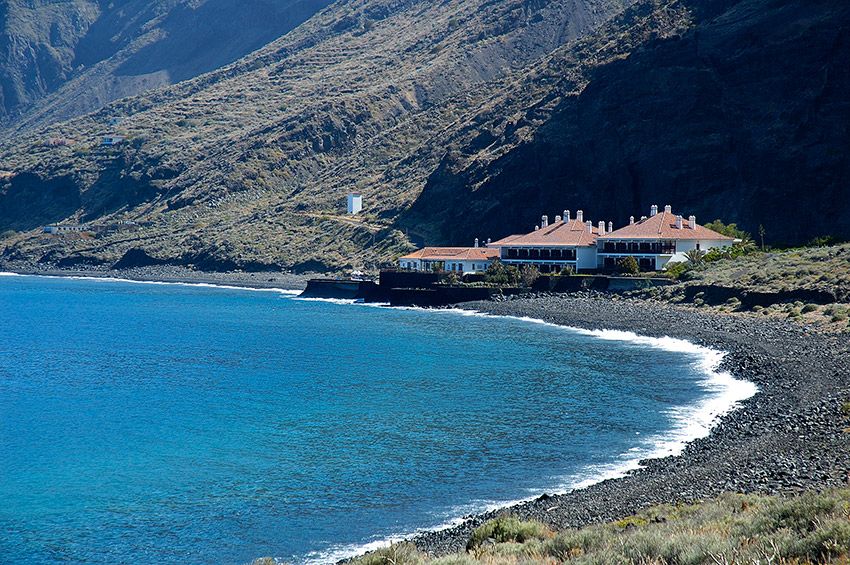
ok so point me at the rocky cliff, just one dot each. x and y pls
(62, 59)
(743, 116)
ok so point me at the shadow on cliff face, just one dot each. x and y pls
(744, 118)
(116, 189)
(27, 201)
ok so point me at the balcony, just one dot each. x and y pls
(541, 254)
(639, 248)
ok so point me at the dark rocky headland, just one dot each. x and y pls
(791, 436)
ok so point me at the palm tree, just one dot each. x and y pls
(695, 257)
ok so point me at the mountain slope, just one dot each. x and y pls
(743, 117)
(462, 119)
(249, 165)
(62, 59)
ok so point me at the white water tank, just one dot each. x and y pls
(355, 202)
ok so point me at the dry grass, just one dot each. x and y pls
(812, 528)
(780, 273)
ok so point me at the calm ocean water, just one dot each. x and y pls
(164, 423)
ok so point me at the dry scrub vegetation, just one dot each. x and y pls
(812, 528)
(809, 285)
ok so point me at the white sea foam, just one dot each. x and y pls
(327, 300)
(723, 393)
(344, 301)
(3, 274)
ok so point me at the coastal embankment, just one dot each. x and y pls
(791, 436)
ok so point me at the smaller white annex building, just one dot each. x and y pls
(654, 241)
(110, 140)
(462, 260)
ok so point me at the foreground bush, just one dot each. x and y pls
(507, 529)
(812, 528)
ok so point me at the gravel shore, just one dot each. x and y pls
(789, 437)
(172, 274)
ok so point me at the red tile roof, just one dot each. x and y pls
(453, 254)
(567, 234)
(663, 226)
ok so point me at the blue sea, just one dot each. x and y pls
(154, 423)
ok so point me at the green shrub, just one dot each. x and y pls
(507, 529)
(628, 265)
(729, 230)
(809, 308)
(676, 269)
(499, 274)
(397, 554)
(696, 257)
(528, 275)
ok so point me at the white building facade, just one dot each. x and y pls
(566, 245)
(54, 229)
(656, 240)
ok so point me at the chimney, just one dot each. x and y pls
(476, 242)
(557, 219)
(692, 222)
(678, 222)
(601, 227)
(653, 210)
(580, 216)
(589, 225)
(489, 241)
(631, 220)
(642, 218)
(668, 209)
(610, 227)
(536, 228)
(566, 216)
(544, 221)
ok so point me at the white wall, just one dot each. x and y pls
(685, 245)
(355, 203)
(477, 266)
(585, 258)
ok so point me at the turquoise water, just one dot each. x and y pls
(165, 423)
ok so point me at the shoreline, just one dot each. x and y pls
(723, 393)
(175, 275)
(787, 437)
(790, 436)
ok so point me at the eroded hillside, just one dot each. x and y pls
(62, 59)
(743, 117)
(249, 165)
(460, 119)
